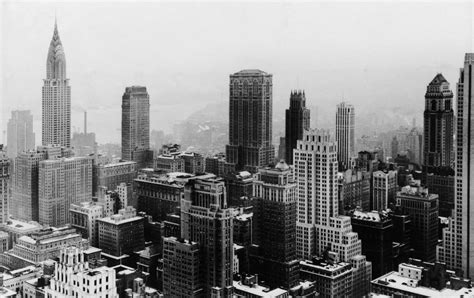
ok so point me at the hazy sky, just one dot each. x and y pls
(375, 55)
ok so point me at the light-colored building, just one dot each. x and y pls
(169, 163)
(319, 226)
(15, 229)
(20, 135)
(14, 280)
(40, 246)
(384, 189)
(84, 218)
(63, 182)
(408, 282)
(56, 107)
(125, 194)
(181, 268)
(5, 185)
(248, 287)
(74, 278)
(345, 137)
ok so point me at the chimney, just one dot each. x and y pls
(85, 122)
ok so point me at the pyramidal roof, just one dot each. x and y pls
(438, 80)
(56, 60)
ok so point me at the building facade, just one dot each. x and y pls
(296, 121)
(345, 137)
(111, 175)
(136, 126)
(205, 219)
(384, 189)
(84, 216)
(20, 135)
(457, 242)
(5, 185)
(273, 257)
(62, 182)
(56, 107)
(250, 120)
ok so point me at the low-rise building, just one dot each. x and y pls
(84, 218)
(248, 287)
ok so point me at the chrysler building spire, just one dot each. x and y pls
(56, 61)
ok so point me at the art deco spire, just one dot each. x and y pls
(56, 61)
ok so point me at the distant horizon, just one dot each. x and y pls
(376, 55)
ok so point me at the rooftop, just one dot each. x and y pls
(394, 281)
(258, 290)
(251, 72)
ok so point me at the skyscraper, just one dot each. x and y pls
(56, 119)
(438, 124)
(458, 241)
(297, 120)
(319, 227)
(20, 135)
(5, 170)
(62, 182)
(205, 219)
(136, 126)
(250, 120)
(345, 123)
(274, 259)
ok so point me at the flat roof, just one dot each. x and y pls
(258, 290)
(397, 282)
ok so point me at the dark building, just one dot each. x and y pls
(423, 209)
(375, 229)
(243, 236)
(206, 220)
(296, 121)
(438, 124)
(354, 191)
(441, 182)
(238, 185)
(136, 126)
(402, 230)
(273, 257)
(158, 196)
(250, 120)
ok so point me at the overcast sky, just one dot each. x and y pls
(375, 55)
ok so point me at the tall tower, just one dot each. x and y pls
(457, 251)
(56, 119)
(205, 219)
(319, 227)
(250, 120)
(20, 133)
(274, 257)
(136, 126)
(5, 170)
(297, 121)
(438, 125)
(345, 122)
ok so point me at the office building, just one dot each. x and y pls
(238, 185)
(330, 279)
(56, 103)
(296, 121)
(422, 207)
(205, 219)
(438, 125)
(345, 124)
(442, 184)
(111, 175)
(413, 280)
(62, 182)
(375, 229)
(193, 162)
(273, 257)
(414, 141)
(250, 120)
(20, 135)
(40, 246)
(136, 126)
(215, 165)
(84, 216)
(384, 189)
(121, 233)
(354, 190)
(5, 184)
(73, 277)
(181, 268)
(319, 227)
(248, 286)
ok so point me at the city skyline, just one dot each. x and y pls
(98, 85)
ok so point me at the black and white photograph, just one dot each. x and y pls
(236, 149)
